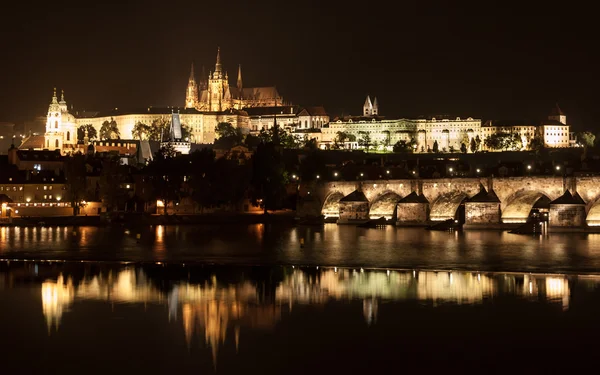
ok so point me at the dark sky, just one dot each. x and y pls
(508, 62)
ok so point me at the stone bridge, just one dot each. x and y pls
(517, 195)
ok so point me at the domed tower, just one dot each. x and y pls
(191, 94)
(53, 136)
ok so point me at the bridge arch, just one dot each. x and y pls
(447, 206)
(384, 205)
(331, 205)
(593, 213)
(520, 204)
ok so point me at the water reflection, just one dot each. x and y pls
(217, 308)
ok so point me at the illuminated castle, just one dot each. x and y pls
(214, 94)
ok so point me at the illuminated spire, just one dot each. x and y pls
(239, 78)
(218, 64)
(192, 75)
(54, 98)
(62, 95)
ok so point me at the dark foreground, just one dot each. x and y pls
(105, 318)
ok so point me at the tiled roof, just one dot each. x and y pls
(33, 142)
(556, 111)
(314, 111)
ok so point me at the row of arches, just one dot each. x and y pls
(517, 208)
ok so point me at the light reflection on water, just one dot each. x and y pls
(213, 308)
(217, 309)
(330, 245)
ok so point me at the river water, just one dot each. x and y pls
(328, 245)
(250, 299)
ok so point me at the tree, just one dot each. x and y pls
(587, 140)
(92, 133)
(401, 146)
(310, 144)
(109, 130)
(313, 165)
(365, 140)
(436, 147)
(75, 174)
(140, 131)
(228, 135)
(159, 130)
(225, 129)
(111, 177)
(388, 138)
(279, 136)
(166, 172)
(451, 148)
(463, 148)
(251, 141)
(536, 144)
(268, 177)
(201, 179)
(473, 145)
(478, 142)
(186, 133)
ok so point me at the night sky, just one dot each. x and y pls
(487, 62)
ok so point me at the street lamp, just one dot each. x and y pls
(558, 167)
(318, 177)
(335, 174)
(478, 170)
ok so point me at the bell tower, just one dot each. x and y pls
(53, 137)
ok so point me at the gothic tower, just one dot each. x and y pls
(191, 95)
(368, 107)
(215, 86)
(375, 111)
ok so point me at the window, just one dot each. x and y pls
(68, 136)
(56, 143)
(55, 124)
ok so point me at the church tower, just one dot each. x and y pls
(375, 110)
(53, 136)
(191, 95)
(558, 115)
(368, 107)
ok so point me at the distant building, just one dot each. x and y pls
(448, 132)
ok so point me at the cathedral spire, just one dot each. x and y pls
(192, 75)
(218, 64)
(54, 98)
(239, 78)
